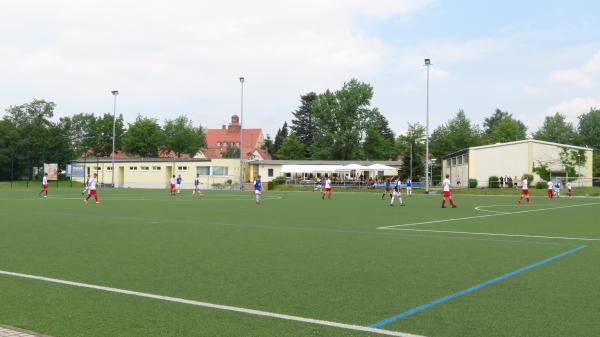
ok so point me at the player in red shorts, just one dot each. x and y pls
(569, 189)
(550, 190)
(327, 189)
(44, 185)
(92, 189)
(524, 191)
(173, 185)
(446, 192)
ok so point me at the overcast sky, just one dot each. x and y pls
(167, 58)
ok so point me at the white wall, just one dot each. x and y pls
(512, 160)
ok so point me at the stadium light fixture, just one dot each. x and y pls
(242, 79)
(427, 64)
(115, 93)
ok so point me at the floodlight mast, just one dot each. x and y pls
(427, 64)
(242, 79)
(115, 93)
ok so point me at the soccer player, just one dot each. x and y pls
(44, 185)
(397, 192)
(197, 187)
(178, 184)
(327, 190)
(446, 192)
(550, 190)
(569, 189)
(409, 186)
(173, 185)
(524, 191)
(257, 189)
(85, 185)
(557, 188)
(318, 185)
(388, 188)
(92, 189)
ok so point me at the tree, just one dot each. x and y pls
(99, 137)
(304, 122)
(378, 127)
(231, 152)
(412, 140)
(77, 128)
(457, 134)
(143, 138)
(502, 127)
(292, 148)
(557, 129)
(182, 137)
(268, 145)
(589, 129)
(342, 118)
(281, 135)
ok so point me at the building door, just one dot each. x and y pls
(121, 176)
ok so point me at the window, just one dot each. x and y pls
(203, 170)
(144, 168)
(460, 160)
(97, 168)
(182, 168)
(133, 168)
(448, 162)
(220, 171)
(109, 168)
(454, 161)
(466, 158)
(270, 173)
(156, 168)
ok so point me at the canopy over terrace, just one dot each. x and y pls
(302, 169)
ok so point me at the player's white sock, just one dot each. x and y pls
(257, 198)
(392, 202)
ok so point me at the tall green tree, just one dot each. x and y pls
(342, 118)
(143, 138)
(377, 126)
(280, 137)
(304, 122)
(502, 127)
(232, 152)
(412, 141)
(291, 148)
(457, 134)
(268, 145)
(557, 129)
(182, 137)
(99, 137)
(589, 135)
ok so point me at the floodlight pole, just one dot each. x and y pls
(115, 93)
(427, 64)
(242, 79)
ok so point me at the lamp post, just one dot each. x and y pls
(242, 79)
(427, 64)
(115, 93)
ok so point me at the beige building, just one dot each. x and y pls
(156, 172)
(513, 159)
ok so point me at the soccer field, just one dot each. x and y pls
(142, 263)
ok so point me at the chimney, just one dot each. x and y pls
(234, 126)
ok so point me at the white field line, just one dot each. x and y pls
(211, 305)
(480, 208)
(494, 234)
(486, 216)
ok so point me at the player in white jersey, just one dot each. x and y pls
(327, 189)
(196, 189)
(397, 192)
(550, 190)
(524, 191)
(569, 189)
(446, 192)
(92, 189)
(44, 185)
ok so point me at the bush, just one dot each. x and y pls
(277, 181)
(493, 182)
(529, 178)
(472, 183)
(541, 185)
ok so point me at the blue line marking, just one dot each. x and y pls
(473, 288)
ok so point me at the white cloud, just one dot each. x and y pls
(574, 107)
(593, 65)
(572, 77)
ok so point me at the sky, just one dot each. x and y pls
(167, 58)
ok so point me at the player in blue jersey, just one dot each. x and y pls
(409, 186)
(396, 192)
(197, 187)
(178, 184)
(257, 189)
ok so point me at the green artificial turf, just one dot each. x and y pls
(299, 255)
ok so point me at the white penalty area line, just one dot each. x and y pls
(485, 216)
(211, 305)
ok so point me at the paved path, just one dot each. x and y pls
(6, 331)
